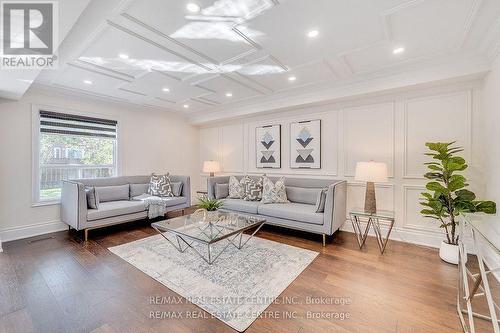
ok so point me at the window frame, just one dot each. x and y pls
(35, 147)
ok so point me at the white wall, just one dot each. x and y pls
(491, 138)
(391, 128)
(150, 141)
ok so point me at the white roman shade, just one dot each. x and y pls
(62, 123)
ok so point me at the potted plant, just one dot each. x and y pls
(448, 197)
(210, 206)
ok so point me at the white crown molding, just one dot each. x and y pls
(458, 70)
(85, 95)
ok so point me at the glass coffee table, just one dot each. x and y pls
(208, 229)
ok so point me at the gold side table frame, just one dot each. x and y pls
(373, 220)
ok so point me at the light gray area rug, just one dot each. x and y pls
(236, 289)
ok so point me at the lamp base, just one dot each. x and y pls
(370, 201)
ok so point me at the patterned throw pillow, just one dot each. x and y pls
(160, 186)
(274, 193)
(253, 189)
(237, 188)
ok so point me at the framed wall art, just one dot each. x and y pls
(305, 144)
(268, 146)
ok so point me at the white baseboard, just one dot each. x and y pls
(15, 233)
(413, 236)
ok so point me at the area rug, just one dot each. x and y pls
(236, 289)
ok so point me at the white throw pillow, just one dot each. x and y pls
(274, 193)
(237, 188)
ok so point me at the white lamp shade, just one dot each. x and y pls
(211, 166)
(371, 172)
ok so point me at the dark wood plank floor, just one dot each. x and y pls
(60, 284)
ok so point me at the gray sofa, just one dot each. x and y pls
(116, 206)
(300, 213)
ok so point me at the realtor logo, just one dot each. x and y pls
(29, 31)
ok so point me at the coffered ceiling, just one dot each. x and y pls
(226, 54)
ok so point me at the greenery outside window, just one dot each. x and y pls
(70, 146)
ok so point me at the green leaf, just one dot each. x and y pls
(427, 212)
(436, 187)
(487, 207)
(435, 167)
(465, 195)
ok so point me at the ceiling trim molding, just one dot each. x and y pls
(206, 101)
(326, 93)
(167, 37)
(471, 18)
(128, 80)
(162, 47)
(253, 81)
(132, 91)
(105, 69)
(165, 100)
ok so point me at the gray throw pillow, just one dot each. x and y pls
(177, 188)
(92, 198)
(321, 200)
(113, 193)
(221, 191)
(138, 189)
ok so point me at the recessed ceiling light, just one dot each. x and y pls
(398, 50)
(87, 81)
(192, 7)
(166, 89)
(292, 78)
(186, 106)
(313, 33)
(229, 94)
(123, 56)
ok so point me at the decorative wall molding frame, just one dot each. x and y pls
(406, 224)
(468, 121)
(393, 137)
(400, 193)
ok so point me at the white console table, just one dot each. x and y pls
(486, 239)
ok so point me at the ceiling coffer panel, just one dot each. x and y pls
(89, 81)
(216, 31)
(156, 84)
(123, 52)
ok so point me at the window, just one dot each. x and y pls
(71, 146)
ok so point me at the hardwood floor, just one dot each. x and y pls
(57, 283)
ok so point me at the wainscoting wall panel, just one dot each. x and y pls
(369, 135)
(392, 129)
(452, 113)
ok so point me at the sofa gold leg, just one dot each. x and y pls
(86, 233)
(183, 212)
(324, 240)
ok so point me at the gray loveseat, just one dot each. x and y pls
(300, 213)
(116, 205)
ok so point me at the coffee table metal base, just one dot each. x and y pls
(184, 242)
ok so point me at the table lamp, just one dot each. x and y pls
(211, 167)
(371, 172)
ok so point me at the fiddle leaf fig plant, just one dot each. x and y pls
(448, 197)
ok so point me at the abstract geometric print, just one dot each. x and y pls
(268, 150)
(306, 144)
